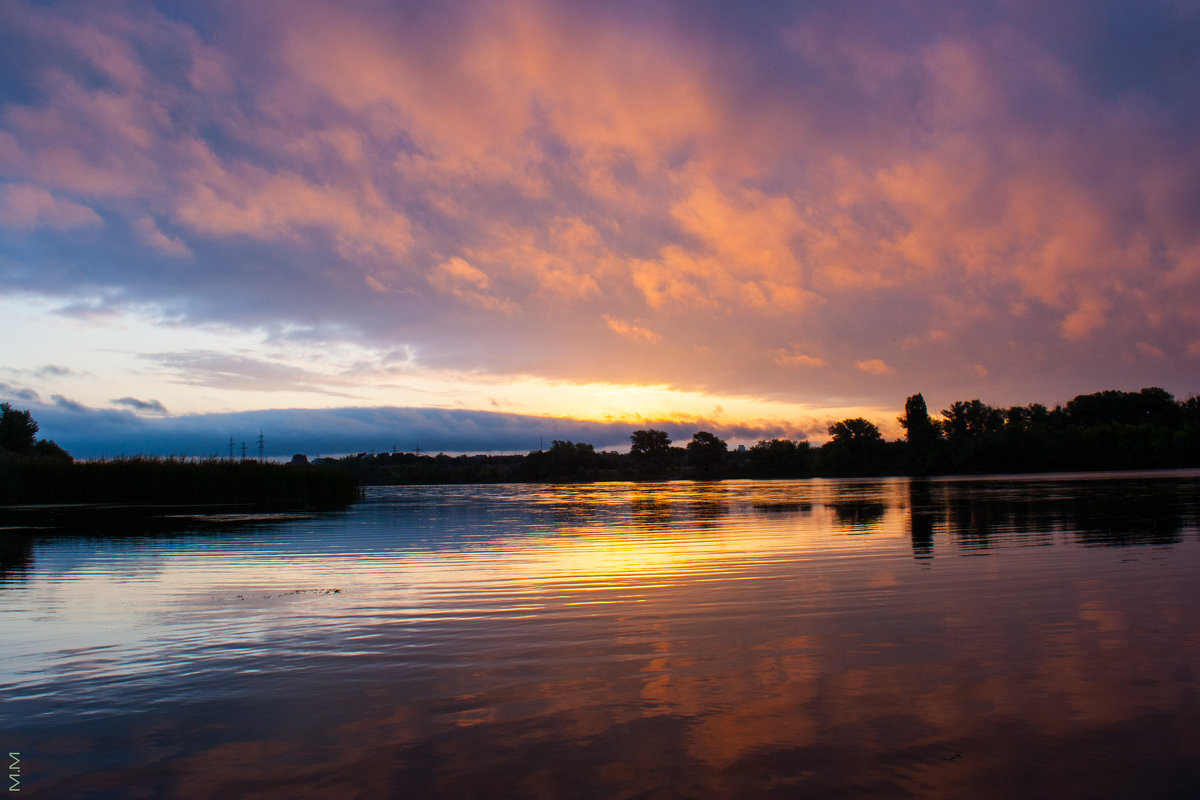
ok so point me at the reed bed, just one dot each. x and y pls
(172, 481)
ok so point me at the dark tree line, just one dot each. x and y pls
(1104, 430)
(18, 435)
(38, 471)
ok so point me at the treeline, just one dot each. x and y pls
(172, 481)
(34, 471)
(1106, 430)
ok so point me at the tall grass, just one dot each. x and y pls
(172, 481)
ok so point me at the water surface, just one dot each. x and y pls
(1020, 637)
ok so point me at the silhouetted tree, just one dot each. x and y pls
(46, 448)
(855, 431)
(971, 419)
(921, 432)
(780, 458)
(1190, 411)
(706, 452)
(857, 448)
(570, 459)
(18, 430)
(650, 450)
(919, 427)
(1151, 405)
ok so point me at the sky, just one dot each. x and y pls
(478, 226)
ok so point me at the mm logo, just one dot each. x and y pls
(14, 772)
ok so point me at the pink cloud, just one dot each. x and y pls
(1090, 315)
(24, 207)
(147, 230)
(1147, 350)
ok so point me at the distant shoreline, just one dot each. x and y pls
(31, 481)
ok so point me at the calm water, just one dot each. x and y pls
(1033, 637)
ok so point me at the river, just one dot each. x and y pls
(1033, 636)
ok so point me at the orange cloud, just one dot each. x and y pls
(579, 165)
(630, 331)
(469, 284)
(565, 260)
(271, 205)
(790, 357)
(874, 367)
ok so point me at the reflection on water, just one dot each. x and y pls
(624, 640)
(16, 554)
(1098, 511)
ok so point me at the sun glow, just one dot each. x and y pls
(97, 358)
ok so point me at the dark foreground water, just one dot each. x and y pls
(1031, 637)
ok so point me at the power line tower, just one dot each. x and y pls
(243, 451)
(231, 448)
(260, 444)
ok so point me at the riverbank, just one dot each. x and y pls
(246, 484)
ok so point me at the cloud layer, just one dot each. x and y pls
(787, 201)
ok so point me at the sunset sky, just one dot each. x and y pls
(364, 225)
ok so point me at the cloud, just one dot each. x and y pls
(93, 433)
(242, 372)
(492, 185)
(1147, 350)
(22, 393)
(791, 357)
(147, 230)
(631, 331)
(24, 207)
(144, 406)
(874, 366)
(67, 404)
(1091, 314)
(468, 283)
